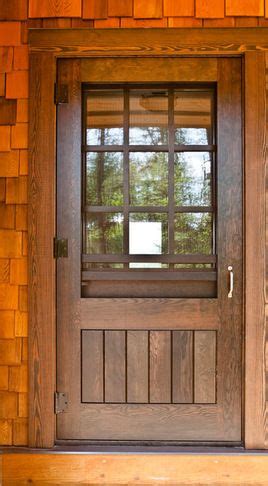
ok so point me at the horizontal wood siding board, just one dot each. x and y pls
(143, 42)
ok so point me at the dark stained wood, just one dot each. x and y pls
(160, 367)
(154, 70)
(8, 111)
(137, 366)
(42, 338)
(230, 236)
(205, 367)
(149, 42)
(115, 366)
(182, 367)
(151, 313)
(92, 366)
(256, 434)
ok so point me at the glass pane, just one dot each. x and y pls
(193, 118)
(192, 179)
(193, 233)
(148, 117)
(148, 265)
(104, 233)
(104, 178)
(105, 117)
(148, 178)
(148, 233)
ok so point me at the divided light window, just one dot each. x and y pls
(149, 202)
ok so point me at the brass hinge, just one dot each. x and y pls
(61, 402)
(60, 248)
(61, 94)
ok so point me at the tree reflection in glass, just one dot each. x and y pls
(104, 178)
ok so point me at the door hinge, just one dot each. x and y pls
(61, 94)
(60, 248)
(61, 402)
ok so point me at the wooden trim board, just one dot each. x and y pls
(46, 48)
(97, 469)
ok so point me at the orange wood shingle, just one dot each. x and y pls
(10, 33)
(140, 23)
(5, 132)
(219, 23)
(23, 162)
(110, 23)
(245, 7)
(22, 111)
(3, 378)
(120, 8)
(54, 8)
(21, 58)
(23, 405)
(18, 379)
(179, 8)
(57, 23)
(82, 24)
(18, 271)
(8, 404)
(8, 111)
(9, 163)
(23, 298)
(24, 243)
(184, 22)
(246, 21)
(21, 217)
(24, 353)
(5, 432)
(19, 136)
(21, 324)
(6, 59)
(10, 247)
(17, 84)
(7, 324)
(7, 216)
(4, 272)
(95, 9)
(2, 189)
(209, 9)
(2, 84)
(148, 9)
(10, 352)
(13, 9)
(20, 432)
(16, 190)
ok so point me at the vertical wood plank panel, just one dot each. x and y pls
(255, 405)
(42, 341)
(148, 9)
(137, 366)
(160, 366)
(182, 362)
(204, 367)
(209, 9)
(92, 366)
(115, 366)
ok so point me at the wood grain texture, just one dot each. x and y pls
(92, 366)
(100, 469)
(95, 9)
(120, 8)
(175, 8)
(115, 366)
(255, 406)
(160, 367)
(55, 8)
(144, 9)
(209, 9)
(41, 261)
(182, 363)
(204, 367)
(245, 8)
(137, 366)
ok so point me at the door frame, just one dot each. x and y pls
(46, 47)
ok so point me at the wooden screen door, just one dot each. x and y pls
(149, 298)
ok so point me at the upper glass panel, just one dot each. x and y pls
(104, 117)
(148, 117)
(193, 118)
(192, 179)
(104, 178)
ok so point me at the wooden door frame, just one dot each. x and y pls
(46, 47)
